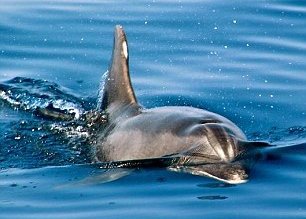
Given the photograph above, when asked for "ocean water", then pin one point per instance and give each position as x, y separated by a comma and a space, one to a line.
242, 59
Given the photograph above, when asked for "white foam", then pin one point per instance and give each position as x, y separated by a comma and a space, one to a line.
6, 97
71, 132
71, 107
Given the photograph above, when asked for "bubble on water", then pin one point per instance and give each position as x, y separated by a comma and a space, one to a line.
18, 137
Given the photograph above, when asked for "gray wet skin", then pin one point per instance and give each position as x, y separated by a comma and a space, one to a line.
198, 136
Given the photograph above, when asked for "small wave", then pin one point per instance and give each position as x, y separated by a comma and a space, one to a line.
35, 143
31, 94
281, 136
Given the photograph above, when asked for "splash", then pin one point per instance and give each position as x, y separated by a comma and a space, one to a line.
101, 90
70, 131
31, 95
6, 96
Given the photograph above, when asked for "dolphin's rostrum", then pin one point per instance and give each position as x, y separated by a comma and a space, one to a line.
203, 142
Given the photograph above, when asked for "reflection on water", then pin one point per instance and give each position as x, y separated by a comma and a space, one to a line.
243, 60
216, 185
212, 197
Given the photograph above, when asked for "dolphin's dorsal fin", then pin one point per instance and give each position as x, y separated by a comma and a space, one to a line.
118, 91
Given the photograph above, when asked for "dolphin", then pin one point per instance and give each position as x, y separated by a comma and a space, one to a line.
202, 142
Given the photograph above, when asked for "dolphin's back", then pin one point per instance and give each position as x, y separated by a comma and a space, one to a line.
170, 130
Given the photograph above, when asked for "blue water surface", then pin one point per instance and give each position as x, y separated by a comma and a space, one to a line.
245, 60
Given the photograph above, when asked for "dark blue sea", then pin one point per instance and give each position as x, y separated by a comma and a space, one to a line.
245, 60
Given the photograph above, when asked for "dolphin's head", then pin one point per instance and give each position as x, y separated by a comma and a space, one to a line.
217, 154
213, 143
232, 173
223, 142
